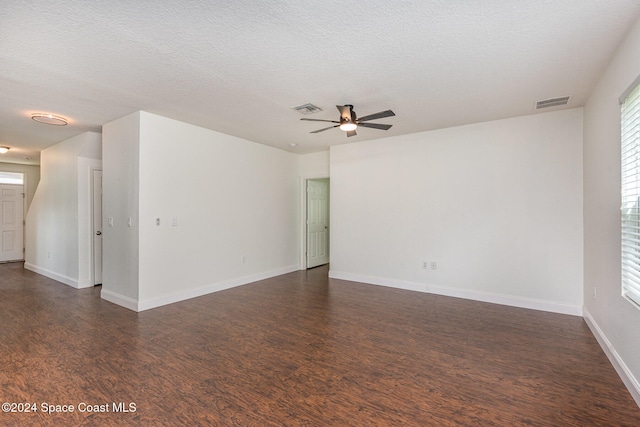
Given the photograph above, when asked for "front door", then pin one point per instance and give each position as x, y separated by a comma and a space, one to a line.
11, 222
317, 222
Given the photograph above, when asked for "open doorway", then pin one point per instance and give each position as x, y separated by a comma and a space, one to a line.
317, 222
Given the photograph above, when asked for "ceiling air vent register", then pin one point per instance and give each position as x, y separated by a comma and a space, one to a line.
307, 109
553, 102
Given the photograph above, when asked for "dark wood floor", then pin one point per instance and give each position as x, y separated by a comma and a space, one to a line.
300, 349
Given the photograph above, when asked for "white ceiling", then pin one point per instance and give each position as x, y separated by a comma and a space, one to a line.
238, 67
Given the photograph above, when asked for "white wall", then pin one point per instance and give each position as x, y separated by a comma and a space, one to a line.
120, 194
31, 174
233, 201
314, 165
52, 230
615, 322
497, 205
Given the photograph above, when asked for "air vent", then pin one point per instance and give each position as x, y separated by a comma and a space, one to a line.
552, 102
307, 109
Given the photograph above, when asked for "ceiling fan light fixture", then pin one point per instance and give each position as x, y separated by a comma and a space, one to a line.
348, 126
3, 149
49, 119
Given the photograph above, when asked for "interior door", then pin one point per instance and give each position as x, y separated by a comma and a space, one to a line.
97, 226
11, 222
317, 222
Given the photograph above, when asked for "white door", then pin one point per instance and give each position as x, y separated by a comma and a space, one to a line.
11, 222
317, 222
97, 227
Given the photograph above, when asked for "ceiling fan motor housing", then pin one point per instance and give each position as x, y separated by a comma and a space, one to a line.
348, 116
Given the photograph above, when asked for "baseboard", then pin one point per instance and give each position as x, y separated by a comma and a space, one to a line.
53, 275
150, 303
509, 300
631, 382
119, 299
85, 284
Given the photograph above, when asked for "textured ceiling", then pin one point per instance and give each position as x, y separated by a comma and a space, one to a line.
238, 67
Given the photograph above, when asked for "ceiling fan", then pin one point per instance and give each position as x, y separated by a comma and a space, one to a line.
349, 122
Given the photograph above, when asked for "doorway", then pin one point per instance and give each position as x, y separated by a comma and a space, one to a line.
317, 222
11, 221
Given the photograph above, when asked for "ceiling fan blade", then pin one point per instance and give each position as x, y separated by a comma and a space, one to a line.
381, 114
351, 133
319, 120
323, 129
374, 126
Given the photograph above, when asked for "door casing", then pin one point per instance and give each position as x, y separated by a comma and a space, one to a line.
15, 198
96, 218
303, 218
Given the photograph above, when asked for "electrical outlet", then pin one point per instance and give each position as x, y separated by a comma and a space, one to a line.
434, 265
425, 265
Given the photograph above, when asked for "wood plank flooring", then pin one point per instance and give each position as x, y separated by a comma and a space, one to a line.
299, 349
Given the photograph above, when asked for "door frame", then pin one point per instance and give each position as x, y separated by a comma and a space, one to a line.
302, 254
92, 269
25, 195
22, 192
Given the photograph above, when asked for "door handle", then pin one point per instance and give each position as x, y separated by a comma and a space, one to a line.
98, 233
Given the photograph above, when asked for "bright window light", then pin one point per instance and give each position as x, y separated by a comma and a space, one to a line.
630, 165
11, 178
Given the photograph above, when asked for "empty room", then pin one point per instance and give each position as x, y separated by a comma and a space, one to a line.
320, 213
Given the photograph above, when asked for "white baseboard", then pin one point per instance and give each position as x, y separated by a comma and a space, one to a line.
631, 382
509, 300
119, 299
150, 303
85, 284
53, 275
